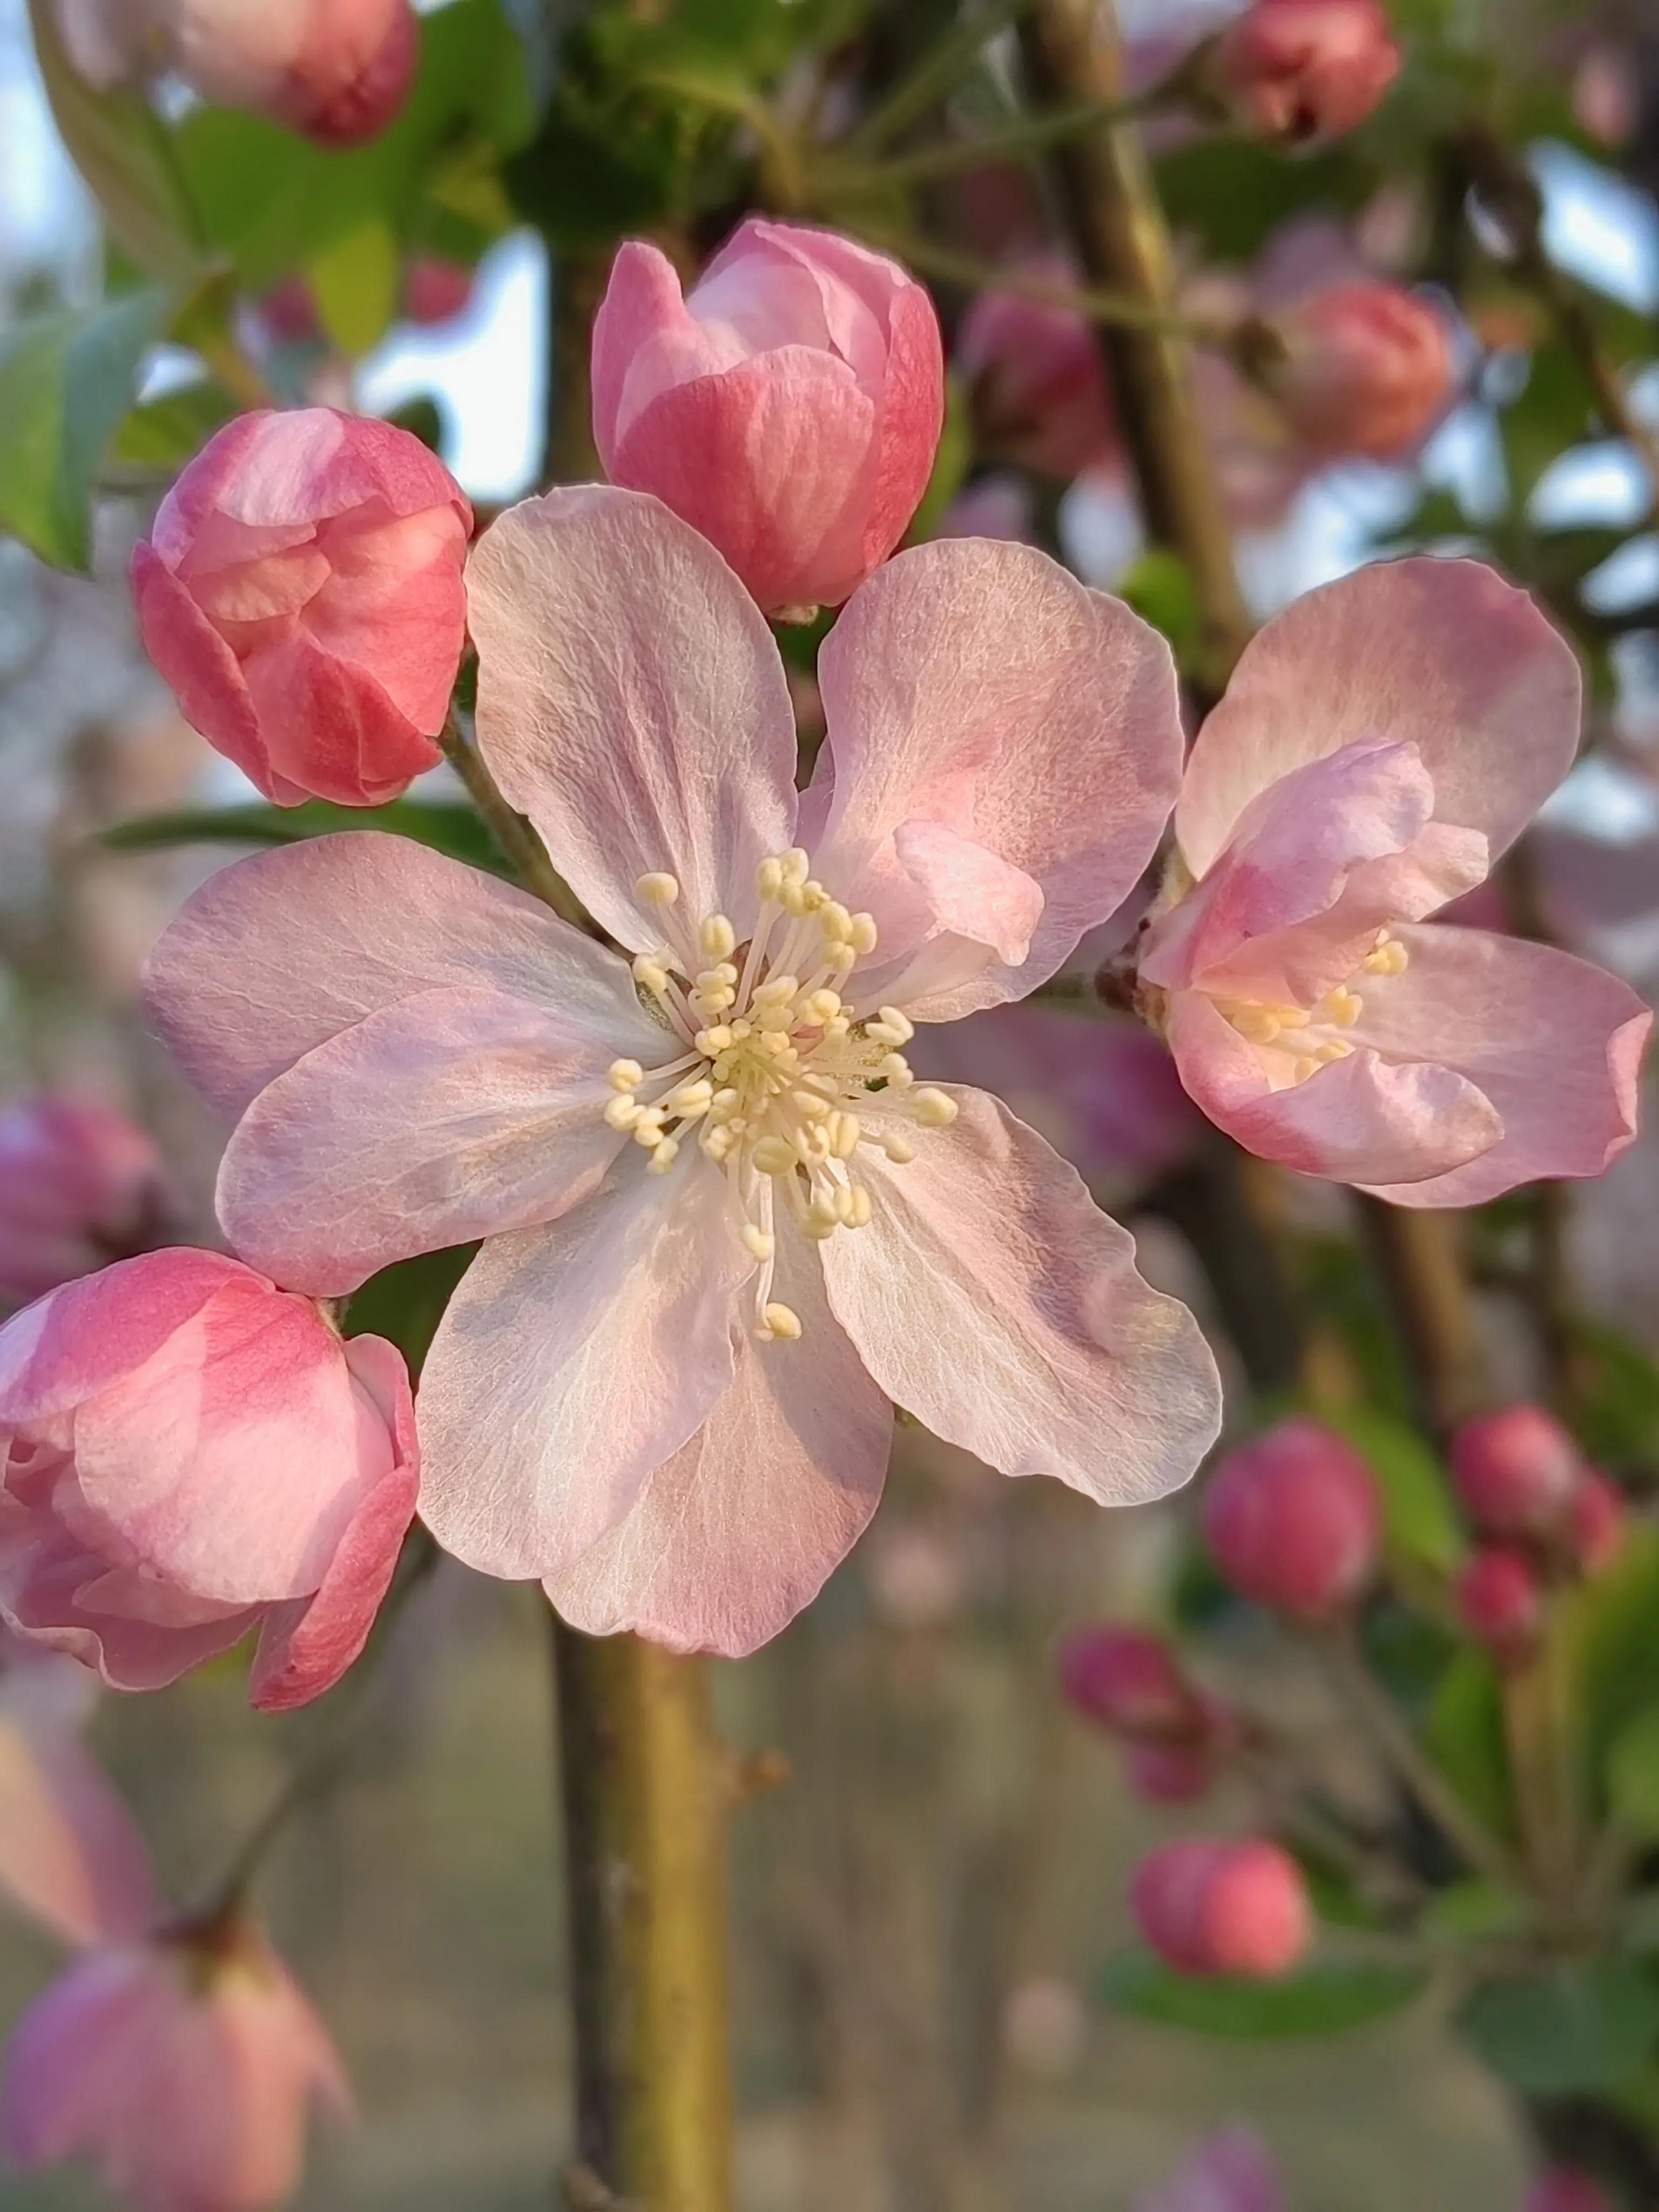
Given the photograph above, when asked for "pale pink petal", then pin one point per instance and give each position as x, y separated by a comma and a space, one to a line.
279, 952
1441, 654
307, 1644
1356, 1120
970, 890
991, 1297
731, 1538
1554, 1043
329, 728
88, 1335
641, 325
632, 703
980, 687
573, 1359
69, 1851
452, 1115
85, 2052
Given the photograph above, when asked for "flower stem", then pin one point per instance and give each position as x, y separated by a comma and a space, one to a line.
517, 839
1417, 1256
1115, 310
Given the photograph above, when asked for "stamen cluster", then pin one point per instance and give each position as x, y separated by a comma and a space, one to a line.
1308, 1035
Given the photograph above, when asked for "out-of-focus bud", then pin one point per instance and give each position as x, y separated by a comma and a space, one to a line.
1304, 70
1131, 1682
1293, 1520
337, 71
1516, 1471
1596, 1523
1170, 1773
301, 592
1039, 390
1367, 368
80, 1185
1500, 1602
788, 407
436, 290
1231, 2171
187, 1453
1223, 1908
1563, 2190
184, 2068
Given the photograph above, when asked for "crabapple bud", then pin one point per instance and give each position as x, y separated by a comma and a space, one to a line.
1516, 1471
1293, 1520
1209, 1907
1500, 1602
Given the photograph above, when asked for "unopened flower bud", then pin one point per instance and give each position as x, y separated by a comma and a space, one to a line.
1303, 70
1561, 2190
1516, 1471
1130, 1681
1500, 1603
1170, 1773
1596, 1523
1293, 1520
1223, 1908
1366, 368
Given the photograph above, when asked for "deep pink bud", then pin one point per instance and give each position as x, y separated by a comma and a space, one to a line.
1499, 1602
80, 1185
1596, 1523
1223, 1908
187, 1453
436, 290
788, 407
1170, 1773
1561, 2191
1039, 389
1293, 1520
1305, 70
1368, 368
1516, 1471
301, 592
338, 70
184, 2068
1130, 1681
288, 313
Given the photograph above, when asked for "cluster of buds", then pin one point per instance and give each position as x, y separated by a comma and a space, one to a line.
1541, 1515
1174, 1737
1293, 1520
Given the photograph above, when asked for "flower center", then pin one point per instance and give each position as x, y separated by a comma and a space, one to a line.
1303, 1039
776, 1062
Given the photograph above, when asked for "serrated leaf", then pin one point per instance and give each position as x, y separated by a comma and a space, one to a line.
1323, 1999
447, 826
1578, 2028
67, 380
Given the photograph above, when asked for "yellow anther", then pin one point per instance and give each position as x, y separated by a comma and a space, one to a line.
811, 1105
759, 1243
716, 938
724, 1104
796, 864
624, 1075
1342, 1007
623, 1112
821, 1220
844, 1133
775, 1156
775, 991
842, 958
861, 934
663, 1155
898, 1147
835, 922
934, 1109
857, 1215
658, 888
782, 1322
1305, 1067
692, 1098
1390, 958
895, 1072
715, 1042
822, 1007
769, 879
1334, 1048
718, 1143
650, 973
648, 1130
1256, 1025
893, 1028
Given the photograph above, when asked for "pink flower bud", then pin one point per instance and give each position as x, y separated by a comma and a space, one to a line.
1130, 1681
338, 70
1223, 1908
1596, 1523
1516, 1471
788, 407
183, 2068
1039, 390
1305, 70
1170, 1773
288, 314
80, 1185
1561, 2191
1368, 369
436, 290
1499, 1602
1293, 1520
301, 592
187, 1453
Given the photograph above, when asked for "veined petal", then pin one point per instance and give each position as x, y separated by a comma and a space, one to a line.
730, 1539
454, 1114
278, 953
991, 1296
574, 1358
631, 702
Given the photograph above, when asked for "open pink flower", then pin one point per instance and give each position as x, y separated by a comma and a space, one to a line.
789, 407
301, 590
183, 2066
1231, 2171
1381, 743
80, 1185
189, 1453
685, 1165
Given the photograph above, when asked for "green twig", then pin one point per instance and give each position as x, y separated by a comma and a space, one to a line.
517, 839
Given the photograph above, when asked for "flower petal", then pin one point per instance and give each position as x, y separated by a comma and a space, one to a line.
278, 953
632, 703
979, 686
994, 1299
1442, 654
733, 1536
574, 1358
70, 1850
1354, 1120
1556, 1044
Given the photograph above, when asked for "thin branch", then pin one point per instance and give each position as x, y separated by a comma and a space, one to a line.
936, 74
1030, 134
1118, 310
517, 839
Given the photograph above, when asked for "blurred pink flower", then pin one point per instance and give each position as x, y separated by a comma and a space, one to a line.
1368, 368
1563, 2190
1294, 1521
1382, 742
1231, 2171
69, 1853
1303, 70
1516, 1471
995, 506
614, 1400
190, 1454
436, 290
788, 407
1500, 1601
80, 1185
301, 590
1209, 1907
1034, 370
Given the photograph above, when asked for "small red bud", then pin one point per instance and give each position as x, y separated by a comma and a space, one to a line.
1223, 1908
1596, 1523
1516, 1471
1130, 1681
1560, 2191
1499, 1602
1170, 1773
1293, 1520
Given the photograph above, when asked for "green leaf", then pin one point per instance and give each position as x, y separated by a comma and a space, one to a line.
164, 434
405, 1303
1617, 1385
1465, 1737
125, 154
67, 380
1633, 1772
449, 826
356, 281
1419, 1517
1608, 1624
1323, 1999
1578, 2028
1159, 587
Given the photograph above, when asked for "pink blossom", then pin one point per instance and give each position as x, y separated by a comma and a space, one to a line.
617, 1400
1130, 1681
337, 71
1293, 1520
1561, 2190
69, 1854
80, 1185
1500, 1602
789, 407
1231, 2171
1368, 368
436, 290
301, 591
1039, 389
1516, 1471
1382, 742
182, 2066
1223, 1908
192, 1453
1305, 70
